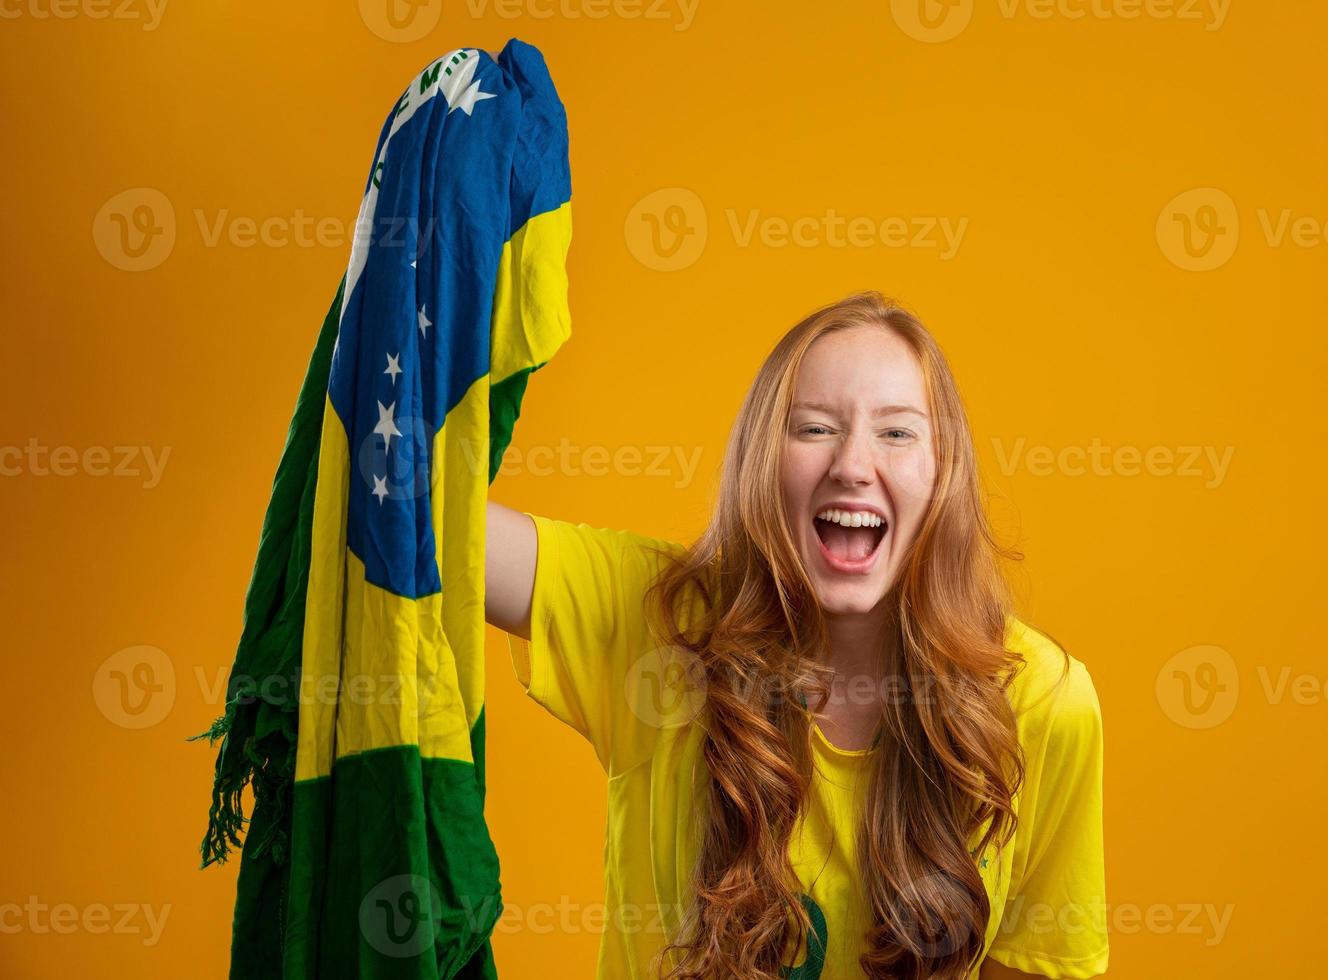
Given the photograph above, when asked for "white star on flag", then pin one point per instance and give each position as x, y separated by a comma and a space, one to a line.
393, 368
387, 426
467, 99
424, 322
380, 488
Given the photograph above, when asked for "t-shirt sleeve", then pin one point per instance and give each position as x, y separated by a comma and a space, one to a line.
591, 652
1055, 922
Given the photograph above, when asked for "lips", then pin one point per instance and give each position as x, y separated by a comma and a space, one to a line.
850, 551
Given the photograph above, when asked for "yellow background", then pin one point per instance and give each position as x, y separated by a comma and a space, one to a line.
1077, 149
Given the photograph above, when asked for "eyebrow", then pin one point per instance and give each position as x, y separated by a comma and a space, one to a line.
876, 412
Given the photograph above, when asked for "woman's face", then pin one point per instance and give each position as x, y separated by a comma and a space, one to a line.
859, 442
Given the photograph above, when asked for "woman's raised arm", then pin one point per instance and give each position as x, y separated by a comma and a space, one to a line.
510, 547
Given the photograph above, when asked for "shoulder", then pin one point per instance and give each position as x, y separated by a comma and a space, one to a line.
609, 569
1052, 692
580, 544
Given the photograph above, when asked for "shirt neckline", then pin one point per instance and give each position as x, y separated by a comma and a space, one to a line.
849, 753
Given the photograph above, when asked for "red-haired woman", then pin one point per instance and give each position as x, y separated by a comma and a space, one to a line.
832, 750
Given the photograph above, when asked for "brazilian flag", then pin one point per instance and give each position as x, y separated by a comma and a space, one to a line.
355, 707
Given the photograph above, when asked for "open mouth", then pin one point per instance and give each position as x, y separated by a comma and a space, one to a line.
849, 545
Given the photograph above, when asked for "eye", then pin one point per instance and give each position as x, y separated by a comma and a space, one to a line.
899, 434
807, 430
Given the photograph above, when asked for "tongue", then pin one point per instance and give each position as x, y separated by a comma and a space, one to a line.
852, 543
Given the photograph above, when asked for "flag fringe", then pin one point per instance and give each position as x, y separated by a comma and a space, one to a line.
261, 732
270, 774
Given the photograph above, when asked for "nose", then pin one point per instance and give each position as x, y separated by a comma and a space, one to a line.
853, 464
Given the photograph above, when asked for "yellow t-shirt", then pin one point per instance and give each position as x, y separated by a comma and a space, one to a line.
593, 663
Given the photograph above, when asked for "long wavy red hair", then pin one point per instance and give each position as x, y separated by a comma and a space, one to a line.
946, 764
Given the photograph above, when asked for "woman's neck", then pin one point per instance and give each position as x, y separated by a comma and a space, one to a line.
862, 652
861, 644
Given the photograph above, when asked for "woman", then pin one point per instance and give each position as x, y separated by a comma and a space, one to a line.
831, 749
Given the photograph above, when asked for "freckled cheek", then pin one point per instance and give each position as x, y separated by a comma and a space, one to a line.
802, 471
911, 481
797, 481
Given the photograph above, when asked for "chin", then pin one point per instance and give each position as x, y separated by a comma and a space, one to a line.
848, 599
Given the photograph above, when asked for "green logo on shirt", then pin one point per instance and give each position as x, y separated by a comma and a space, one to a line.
811, 967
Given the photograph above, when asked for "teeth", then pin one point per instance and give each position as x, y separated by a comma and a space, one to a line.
854, 518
